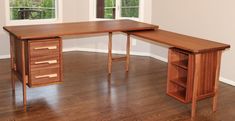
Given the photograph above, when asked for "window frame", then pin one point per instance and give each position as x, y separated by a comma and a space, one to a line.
92, 13
57, 19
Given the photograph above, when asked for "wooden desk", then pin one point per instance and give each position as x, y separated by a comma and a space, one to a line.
184, 42
78, 28
36, 57
193, 66
36, 50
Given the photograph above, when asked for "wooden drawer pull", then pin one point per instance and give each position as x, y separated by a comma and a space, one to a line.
48, 47
49, 62
46, 76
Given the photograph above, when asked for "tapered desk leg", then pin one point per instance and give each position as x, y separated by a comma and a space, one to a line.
12, 62
128, 52
110, 53
12, 80
197, 66
111, 59
215, 98
24, 77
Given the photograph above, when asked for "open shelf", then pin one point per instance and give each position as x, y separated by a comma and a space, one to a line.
183, 64
178, 74
180, 77
177, 92
180, 81
180, 95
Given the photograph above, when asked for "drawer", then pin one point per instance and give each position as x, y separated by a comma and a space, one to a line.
38, 48
45, 62
42, 62
45, 76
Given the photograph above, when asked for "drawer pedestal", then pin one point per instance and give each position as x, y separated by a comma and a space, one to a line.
44, 58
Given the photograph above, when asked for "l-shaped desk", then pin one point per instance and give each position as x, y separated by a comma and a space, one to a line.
193, 63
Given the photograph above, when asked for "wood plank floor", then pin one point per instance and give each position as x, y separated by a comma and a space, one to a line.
88, 94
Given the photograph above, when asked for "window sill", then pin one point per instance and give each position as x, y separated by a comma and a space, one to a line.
33, 22
104, 19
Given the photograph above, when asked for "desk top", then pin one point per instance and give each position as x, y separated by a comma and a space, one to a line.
188, 43
64, 29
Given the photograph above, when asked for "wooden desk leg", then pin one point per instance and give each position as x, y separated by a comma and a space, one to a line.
12, 38
128, 52
197, 66
110, 53
215, 98
24, 77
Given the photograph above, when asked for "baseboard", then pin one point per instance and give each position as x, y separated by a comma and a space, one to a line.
106, 51
117, 52
227, 81
4, 56
222, 79
159, 57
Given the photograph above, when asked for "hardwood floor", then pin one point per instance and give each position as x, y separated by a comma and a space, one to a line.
88, 94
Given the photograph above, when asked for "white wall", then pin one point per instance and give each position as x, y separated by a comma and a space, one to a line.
209, 19
4, 43
73, 10
99, 43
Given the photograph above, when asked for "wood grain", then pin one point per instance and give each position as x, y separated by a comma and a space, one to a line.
196, 87
188, 43
216, 83
23, 73
110, 57
13, 66
193, 77
77, 28
87, 94
181, 72
128, 48
40, 51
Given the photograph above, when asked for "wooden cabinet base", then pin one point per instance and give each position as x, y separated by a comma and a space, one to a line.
192, 77
37, 62
44, 58
192, 74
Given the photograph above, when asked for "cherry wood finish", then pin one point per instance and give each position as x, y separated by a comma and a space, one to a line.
217, 71
184, 42
193, 68
18, 65
128, 48
36, 50
88, 94
178, 75
181, 68
77, 28
23, 72
110, 53
29, 64
193, 77
192, 74
13, 66
112, 59
44, 60
196, 80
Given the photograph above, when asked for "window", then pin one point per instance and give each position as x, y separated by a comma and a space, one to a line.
130, 8
32, 11
114, 9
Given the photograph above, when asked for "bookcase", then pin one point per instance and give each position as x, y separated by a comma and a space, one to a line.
181, 74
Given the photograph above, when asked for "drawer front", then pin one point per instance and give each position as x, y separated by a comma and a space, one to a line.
45, 65
45, 76
40, 48
42, 62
